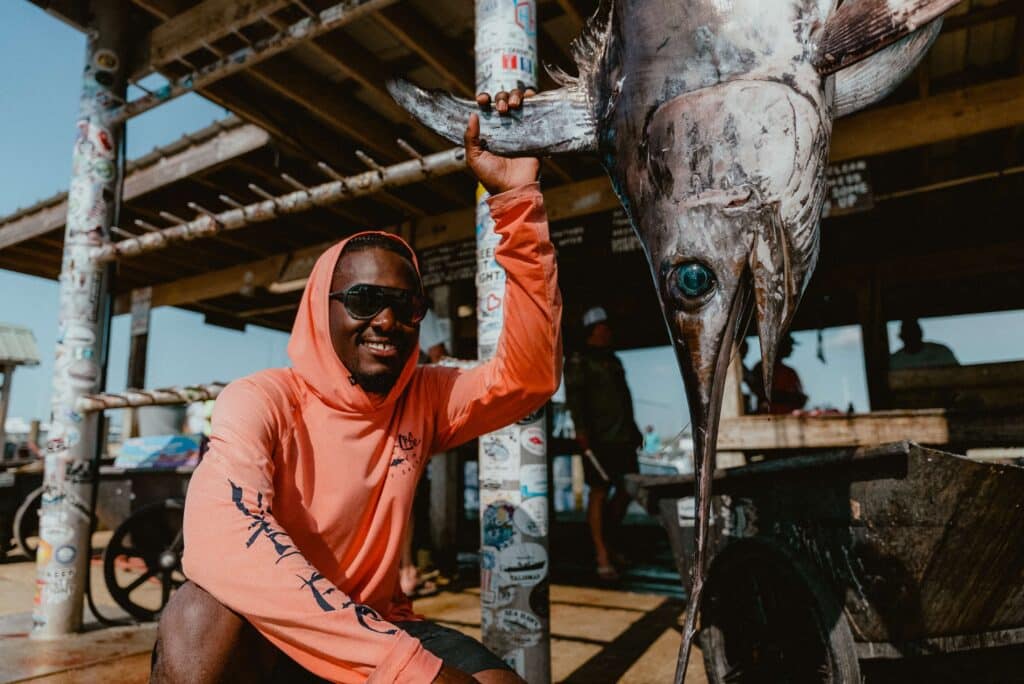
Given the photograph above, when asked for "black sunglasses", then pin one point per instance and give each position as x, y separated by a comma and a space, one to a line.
363, 302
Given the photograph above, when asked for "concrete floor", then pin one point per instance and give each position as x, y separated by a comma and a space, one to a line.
598, 635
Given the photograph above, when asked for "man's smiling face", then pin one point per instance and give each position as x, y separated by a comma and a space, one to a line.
374, 350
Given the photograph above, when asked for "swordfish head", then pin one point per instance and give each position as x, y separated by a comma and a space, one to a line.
713, 119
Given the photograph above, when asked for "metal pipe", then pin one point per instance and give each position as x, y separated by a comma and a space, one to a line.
64, 515
514, 567
359, 185
91, 403
329, 19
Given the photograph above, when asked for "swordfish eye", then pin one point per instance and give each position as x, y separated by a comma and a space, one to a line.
694, 279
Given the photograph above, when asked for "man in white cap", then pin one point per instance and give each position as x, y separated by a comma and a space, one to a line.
602, 411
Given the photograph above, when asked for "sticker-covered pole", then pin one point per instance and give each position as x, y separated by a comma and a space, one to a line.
513, 470
64, 513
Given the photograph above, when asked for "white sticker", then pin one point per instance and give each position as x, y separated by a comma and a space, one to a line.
523, 564
499, 457
532, 439
531, 517
533, 480
520, 628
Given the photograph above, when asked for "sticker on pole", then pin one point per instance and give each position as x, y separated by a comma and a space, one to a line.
531, 517
533, 480
532, 439
488, 575
497, 523
519, 627
523, 564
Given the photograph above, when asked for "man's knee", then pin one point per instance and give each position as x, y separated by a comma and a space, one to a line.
196, 638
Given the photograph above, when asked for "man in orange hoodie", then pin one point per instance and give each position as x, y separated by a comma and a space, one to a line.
294, 520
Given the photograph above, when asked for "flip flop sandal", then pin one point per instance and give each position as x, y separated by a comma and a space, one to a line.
607, 573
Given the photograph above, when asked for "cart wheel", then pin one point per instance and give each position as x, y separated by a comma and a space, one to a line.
142, 561
26, 523
765, 620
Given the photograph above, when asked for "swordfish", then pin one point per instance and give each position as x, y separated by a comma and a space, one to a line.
713, 119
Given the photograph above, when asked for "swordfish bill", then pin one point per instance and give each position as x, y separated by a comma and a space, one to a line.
713, 119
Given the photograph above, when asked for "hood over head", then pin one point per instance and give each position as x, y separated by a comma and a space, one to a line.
312, 352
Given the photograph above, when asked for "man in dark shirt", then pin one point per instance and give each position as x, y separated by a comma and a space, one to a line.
602, 412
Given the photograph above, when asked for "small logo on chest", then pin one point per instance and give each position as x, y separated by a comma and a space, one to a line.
405, 457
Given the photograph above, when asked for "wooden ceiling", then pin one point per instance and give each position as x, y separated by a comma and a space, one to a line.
947, 142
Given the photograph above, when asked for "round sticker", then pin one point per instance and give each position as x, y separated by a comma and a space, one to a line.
105, 59
531, 517
497, 523
532, 439
520, 627
523, 564
65, 554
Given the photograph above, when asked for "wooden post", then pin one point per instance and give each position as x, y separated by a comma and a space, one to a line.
5, 397
141, 300
514, 567
875, 338
445, 477
67, 488
732, 407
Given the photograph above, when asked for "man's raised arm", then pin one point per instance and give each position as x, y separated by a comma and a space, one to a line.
526, 367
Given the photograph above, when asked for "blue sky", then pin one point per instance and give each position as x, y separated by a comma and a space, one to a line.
38, 108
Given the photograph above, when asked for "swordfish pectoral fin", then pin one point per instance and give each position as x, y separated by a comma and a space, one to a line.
553, 122
868, 81
860, 28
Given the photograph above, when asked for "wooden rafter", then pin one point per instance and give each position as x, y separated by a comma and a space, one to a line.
416, 33
198, 27
946, 116
192, 160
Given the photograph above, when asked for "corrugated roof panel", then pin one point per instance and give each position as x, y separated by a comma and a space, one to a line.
18, 346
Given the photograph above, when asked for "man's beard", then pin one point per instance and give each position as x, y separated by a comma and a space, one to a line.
376, 383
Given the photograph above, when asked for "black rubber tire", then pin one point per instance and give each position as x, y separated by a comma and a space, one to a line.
766, 619
152, 535
26, 523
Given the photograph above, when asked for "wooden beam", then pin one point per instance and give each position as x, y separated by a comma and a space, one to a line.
975, 375
196, 159
419, 35
198, 27
947, 116
927, 426
213, 284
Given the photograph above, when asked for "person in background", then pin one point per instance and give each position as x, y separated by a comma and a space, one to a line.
432, 339
787, 392
916, 353
652, 440
602, 411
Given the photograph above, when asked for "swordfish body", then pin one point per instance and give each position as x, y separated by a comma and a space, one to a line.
713, 119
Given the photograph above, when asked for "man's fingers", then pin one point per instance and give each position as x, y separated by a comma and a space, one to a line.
484, 99
471, 137
515, 99
501, 102
530, 92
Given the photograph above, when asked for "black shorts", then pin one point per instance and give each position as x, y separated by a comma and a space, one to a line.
454, 648
617, 460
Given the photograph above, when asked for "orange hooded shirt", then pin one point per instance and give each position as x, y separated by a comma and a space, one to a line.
295, 517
